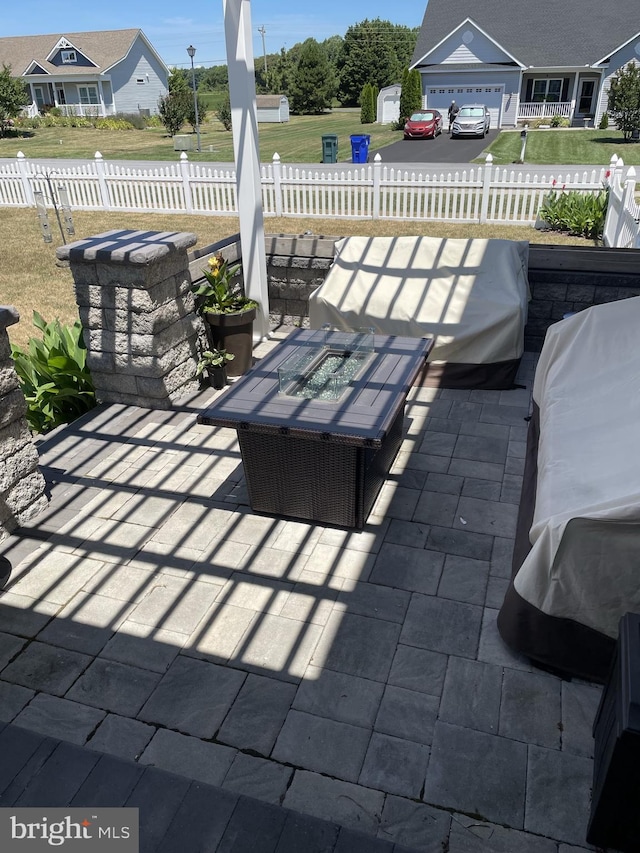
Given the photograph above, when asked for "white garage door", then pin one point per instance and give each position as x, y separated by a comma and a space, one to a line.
439, 98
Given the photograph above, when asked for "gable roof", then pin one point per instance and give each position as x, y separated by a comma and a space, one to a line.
104, 48
268, 101
540, 33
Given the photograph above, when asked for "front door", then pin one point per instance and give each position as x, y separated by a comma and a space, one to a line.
585, 99
38, 92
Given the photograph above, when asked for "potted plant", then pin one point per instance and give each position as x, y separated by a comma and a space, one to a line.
228, 312
214, 363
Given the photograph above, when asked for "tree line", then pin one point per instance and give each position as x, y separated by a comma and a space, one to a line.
314, 75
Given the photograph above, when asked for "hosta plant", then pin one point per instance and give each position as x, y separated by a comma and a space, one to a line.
54, 376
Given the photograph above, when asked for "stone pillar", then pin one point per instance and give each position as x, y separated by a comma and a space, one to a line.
133, 291
22, 485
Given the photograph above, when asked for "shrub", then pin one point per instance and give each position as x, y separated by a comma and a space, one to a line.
153, 121
54, 375
224, 114
559, 121
113, 124
580, 214
367, 105
174, 109
134, 119
604, 121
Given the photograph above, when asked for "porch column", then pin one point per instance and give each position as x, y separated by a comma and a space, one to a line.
242, 92
574, 96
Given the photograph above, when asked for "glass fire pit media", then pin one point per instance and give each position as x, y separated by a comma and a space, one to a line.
325, 368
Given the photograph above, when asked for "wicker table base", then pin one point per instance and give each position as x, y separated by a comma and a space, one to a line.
319, 481
316, 460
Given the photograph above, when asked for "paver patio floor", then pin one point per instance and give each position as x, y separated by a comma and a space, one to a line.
356, 677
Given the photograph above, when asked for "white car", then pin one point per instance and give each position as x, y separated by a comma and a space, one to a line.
472, 120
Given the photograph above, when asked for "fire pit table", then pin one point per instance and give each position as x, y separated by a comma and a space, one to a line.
319, 421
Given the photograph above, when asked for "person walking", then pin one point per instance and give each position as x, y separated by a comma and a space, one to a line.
452, 113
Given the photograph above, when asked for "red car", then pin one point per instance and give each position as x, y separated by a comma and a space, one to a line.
423, 125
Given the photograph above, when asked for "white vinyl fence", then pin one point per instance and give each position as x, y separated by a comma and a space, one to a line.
480, 194
622, 225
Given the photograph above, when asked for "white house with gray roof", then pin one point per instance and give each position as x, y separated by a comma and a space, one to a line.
97, 73
526, 59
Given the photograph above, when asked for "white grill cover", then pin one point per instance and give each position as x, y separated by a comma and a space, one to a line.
470, 294
585, 560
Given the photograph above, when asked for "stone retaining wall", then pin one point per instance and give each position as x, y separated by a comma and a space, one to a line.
133, 292
562, 278
22, 486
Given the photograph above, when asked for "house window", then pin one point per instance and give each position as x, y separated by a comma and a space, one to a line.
60, 96
88, 94
68, 56
546, 90
586, 96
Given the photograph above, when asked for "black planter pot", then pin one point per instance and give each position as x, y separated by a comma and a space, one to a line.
233, 333
217, 377
5, 571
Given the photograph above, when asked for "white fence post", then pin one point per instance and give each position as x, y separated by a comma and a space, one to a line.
27, 189
486, 187
277, 183
102, 180
186, 182
626, 204
377, 171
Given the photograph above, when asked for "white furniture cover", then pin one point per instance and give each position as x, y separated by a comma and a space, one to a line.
471, 295
585, 561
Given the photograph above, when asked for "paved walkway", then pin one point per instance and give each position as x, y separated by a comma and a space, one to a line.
353, 677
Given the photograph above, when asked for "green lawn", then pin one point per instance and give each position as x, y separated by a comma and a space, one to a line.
296, 141
300, 141
549, 147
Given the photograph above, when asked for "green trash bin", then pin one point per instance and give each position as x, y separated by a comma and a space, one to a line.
330, 148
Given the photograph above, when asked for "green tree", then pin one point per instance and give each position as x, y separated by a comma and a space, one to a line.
312, 87
179, 80
12, 97
190, 117
410, 96
224, 114
280, 73
624, 99
367, 106
374, 52
174, 109
214, 79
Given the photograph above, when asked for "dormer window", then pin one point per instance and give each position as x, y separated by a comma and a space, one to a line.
68, 56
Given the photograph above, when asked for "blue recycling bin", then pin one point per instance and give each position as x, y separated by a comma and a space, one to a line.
360, 148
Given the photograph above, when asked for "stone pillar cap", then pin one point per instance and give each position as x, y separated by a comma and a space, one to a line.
124, 246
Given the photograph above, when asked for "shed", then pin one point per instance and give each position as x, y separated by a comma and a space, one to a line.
274, 108
388, 106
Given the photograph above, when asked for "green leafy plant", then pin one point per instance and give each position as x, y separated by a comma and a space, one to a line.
217, 294
604, 122
213, 358
582, 214
559, 121
113, 124
54, 376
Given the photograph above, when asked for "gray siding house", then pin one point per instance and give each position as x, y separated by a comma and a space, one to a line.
526, 60
97, 73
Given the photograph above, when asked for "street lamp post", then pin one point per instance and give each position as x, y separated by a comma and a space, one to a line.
192, 52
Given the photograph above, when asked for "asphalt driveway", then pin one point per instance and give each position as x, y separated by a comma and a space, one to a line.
442, 149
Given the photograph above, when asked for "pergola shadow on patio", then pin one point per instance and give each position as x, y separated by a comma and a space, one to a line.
352, 677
